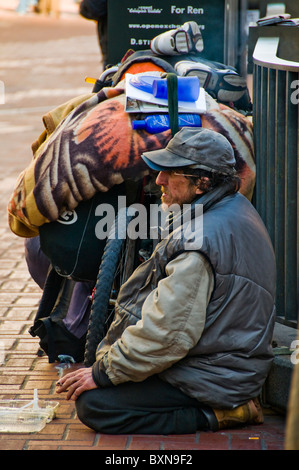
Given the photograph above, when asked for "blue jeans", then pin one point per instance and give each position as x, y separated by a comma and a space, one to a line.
23, 6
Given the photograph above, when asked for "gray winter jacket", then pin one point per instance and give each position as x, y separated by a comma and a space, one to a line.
202, 318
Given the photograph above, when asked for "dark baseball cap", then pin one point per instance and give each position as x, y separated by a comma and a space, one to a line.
196, 148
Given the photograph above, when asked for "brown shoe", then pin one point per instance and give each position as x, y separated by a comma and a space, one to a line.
250, 413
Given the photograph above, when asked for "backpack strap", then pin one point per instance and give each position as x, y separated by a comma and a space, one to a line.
43, 329
172, 95
51, 291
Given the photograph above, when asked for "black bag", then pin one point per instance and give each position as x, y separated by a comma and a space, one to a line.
55, 338
75, 254
71, 244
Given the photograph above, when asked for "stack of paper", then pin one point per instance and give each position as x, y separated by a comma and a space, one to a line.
138, 101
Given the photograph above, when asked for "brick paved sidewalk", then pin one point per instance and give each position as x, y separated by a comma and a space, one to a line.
22, 371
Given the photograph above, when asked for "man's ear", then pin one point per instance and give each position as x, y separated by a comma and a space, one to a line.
203, 185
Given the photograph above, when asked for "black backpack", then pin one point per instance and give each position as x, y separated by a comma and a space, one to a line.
55, 338
71, 244
75, 254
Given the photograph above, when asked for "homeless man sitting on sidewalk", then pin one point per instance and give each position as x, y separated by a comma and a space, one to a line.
190, 344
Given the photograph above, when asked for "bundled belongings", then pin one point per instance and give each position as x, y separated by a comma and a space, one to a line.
83, 155
90, 154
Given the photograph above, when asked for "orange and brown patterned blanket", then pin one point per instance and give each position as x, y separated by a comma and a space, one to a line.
94, 147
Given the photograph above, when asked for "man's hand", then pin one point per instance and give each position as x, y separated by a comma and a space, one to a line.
76, 383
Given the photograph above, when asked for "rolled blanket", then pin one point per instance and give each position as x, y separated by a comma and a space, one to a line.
94, 147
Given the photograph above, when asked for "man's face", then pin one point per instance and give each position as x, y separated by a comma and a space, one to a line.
176, 188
